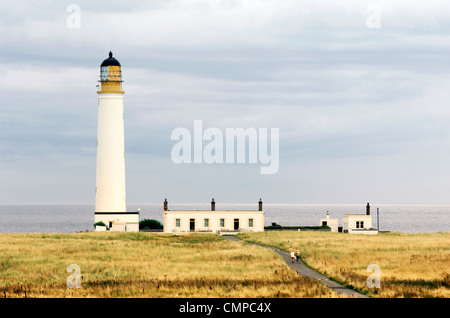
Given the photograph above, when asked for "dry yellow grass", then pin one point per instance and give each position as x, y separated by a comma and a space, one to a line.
412, 265
145, 265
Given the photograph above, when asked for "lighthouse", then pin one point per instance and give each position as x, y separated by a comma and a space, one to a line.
110, 190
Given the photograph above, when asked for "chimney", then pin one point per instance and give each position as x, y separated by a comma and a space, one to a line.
260, 205
165, 205
328, 215
368, 209
213, 205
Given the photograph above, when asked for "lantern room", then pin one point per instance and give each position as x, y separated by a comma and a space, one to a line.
110, 76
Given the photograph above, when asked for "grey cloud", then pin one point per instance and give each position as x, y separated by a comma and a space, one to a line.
344, 97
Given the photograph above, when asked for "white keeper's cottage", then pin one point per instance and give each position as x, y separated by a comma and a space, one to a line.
213, 221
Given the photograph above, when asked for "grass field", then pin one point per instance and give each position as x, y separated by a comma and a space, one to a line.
412, 265
116, 264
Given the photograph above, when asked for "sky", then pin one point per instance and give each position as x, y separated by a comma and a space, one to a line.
359, 91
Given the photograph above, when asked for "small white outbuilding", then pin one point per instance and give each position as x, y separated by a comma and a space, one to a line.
358, 223
332, 223
119, 221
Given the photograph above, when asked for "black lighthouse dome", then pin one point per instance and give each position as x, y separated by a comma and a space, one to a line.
110, 61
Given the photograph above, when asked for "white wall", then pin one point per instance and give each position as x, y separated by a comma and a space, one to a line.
100, 228
332, 223
214, 221
349, 222
110, 195
130, 219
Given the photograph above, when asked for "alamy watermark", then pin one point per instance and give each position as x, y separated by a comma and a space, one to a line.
74, 19
74, 280
231, 147
374, 280
373, 20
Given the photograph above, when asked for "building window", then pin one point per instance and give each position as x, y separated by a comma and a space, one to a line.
357, 224
250, 222
206, 222
177, 222
361, 224
222, 222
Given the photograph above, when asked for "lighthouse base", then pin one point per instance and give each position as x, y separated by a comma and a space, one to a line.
119, 221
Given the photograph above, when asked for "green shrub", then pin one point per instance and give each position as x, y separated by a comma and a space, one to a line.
100, 224
150, 224
274, 227
302, 228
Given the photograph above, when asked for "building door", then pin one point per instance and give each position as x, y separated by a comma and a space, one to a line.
324, 223
192, 225
236, 224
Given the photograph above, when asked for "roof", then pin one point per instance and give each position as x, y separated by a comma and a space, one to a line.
358, 215
110, 61
214, 212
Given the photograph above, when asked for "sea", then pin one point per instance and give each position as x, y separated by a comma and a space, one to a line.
406, 218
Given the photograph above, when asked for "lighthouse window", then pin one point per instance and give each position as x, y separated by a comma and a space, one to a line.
104, 73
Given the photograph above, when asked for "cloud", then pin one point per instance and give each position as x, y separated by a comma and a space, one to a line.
346, 98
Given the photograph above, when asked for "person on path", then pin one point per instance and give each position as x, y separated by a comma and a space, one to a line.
292, 256
298, 256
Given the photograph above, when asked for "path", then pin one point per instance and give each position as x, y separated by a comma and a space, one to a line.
304, 270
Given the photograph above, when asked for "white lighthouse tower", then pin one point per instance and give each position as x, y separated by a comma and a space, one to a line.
110, 192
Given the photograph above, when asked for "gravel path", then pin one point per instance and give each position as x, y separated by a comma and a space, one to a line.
304, 270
